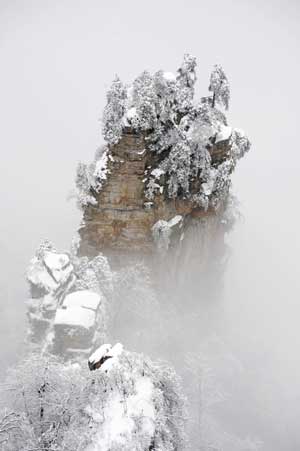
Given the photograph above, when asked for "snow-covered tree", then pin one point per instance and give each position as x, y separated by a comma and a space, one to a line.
84, 185
186, 80
134, 404
10, 424
144, 102
93, 274
220, 87
181, 133
239, 143
45, 246
114, 111
177, 166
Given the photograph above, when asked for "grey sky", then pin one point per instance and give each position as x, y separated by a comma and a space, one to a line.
57, 60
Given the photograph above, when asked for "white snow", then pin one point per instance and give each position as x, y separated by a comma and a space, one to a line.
84, 298
100, 352
162, 231
101, 167
157, 173
121, 418
131, 113
56, 261
75, 316
223, 134
50, 270
63, 274
175, 220
109, 351
240, 131
141, 152
207, 187
169, 76
38, 275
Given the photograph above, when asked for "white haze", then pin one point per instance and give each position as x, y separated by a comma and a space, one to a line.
57, 60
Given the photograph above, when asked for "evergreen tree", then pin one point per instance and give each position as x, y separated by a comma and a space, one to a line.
114, 112
220, 87
144, 101
186, 80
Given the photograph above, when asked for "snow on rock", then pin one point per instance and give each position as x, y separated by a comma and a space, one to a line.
162, 231
169, 76
75, 317
175, 220
131, 113
105, 357
224, 134
157, 173
38, 275
84, 298
100, 352
59, 265
101, 170
208, 186
56, 261
49, 270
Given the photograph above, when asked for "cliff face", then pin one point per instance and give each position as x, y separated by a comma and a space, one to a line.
123, 218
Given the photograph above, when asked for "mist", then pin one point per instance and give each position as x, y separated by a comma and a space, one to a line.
57, 61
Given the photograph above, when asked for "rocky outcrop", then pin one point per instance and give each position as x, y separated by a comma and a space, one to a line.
123, 217
66, 316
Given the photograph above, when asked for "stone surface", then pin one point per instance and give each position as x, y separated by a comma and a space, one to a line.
123, 218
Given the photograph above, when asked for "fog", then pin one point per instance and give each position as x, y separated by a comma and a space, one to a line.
57, 61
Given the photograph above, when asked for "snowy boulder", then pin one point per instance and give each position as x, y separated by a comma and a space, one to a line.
223, 134
47, 272
104, 353
74, 327
84, 298
39, 277
75, 317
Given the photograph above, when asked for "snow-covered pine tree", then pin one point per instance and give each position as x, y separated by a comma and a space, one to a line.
186, 79
144, 101
84, 185
177, 165
181, 134
114, 111
219, 86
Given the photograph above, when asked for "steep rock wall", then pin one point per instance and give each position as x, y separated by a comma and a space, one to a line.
123, 218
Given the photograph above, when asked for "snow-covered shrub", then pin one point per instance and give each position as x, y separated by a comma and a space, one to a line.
144, 409
45, 246
114, 111
239, 143
220, 87
84, 184
90, 178
48, 398
135, 405
93, 274
10, 429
